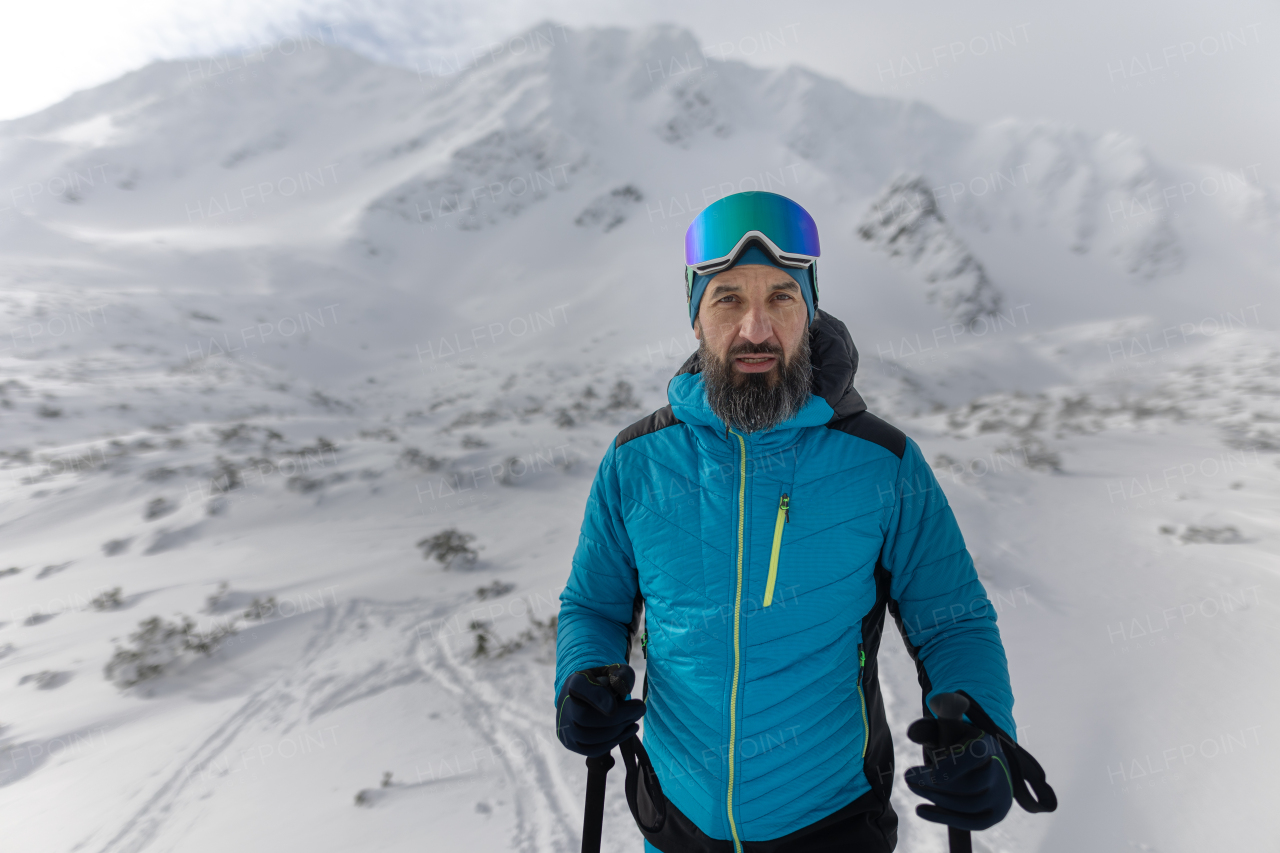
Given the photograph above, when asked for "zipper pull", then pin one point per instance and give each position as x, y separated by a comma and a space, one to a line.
644, 645
785, 506
862, 657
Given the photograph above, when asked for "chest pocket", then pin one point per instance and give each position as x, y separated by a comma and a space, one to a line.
822, 543
784, 516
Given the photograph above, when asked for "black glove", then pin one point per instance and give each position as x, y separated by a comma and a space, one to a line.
592, 715
968, 782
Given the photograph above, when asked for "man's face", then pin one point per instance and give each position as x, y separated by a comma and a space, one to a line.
753, 327
753, 313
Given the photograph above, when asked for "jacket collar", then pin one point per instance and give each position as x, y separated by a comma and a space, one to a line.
835, 361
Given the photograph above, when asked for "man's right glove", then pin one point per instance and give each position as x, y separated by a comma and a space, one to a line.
592, 714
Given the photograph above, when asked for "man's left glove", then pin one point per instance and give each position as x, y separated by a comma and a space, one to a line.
592, 714
969, 783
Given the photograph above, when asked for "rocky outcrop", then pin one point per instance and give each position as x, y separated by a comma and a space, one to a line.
904, 221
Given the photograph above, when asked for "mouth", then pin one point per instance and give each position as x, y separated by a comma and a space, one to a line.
755, 363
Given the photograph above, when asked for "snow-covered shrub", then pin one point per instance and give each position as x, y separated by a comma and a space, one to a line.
412, 456
1227, 535
225, 476
622, 396
1035, 453
488, 644
46, 679
611, 209
157, 645
213, 603
116, 546
494, 590
1193, 534
484, 637
108, 600
303, 485
158, 508
371, 796
47, 571
509, 477
450, 547
544, 631
261, 608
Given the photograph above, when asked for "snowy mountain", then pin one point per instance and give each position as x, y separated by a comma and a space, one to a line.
274, 325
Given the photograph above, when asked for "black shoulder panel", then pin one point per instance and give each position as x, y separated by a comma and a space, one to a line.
660, 419
867, 426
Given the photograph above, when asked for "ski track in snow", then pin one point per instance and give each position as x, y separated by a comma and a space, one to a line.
545, 815
316, 686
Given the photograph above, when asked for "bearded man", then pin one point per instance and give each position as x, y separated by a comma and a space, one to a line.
759, 527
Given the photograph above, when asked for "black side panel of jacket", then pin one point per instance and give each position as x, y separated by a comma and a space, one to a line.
878, 763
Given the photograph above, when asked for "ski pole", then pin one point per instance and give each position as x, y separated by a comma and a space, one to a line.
593, 819
620, 682
949, 707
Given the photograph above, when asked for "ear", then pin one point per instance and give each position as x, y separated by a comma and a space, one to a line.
697, 328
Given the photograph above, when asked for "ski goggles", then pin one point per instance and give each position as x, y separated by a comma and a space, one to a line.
723, 230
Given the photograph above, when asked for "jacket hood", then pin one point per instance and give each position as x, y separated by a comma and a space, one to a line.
834, 359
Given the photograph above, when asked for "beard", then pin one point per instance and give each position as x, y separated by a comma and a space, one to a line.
752, 402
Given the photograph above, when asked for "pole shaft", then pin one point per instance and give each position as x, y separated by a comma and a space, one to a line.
593, 815
960, 840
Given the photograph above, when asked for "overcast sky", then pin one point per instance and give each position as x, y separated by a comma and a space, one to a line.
1196, 81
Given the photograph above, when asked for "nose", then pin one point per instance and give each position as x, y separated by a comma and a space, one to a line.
756, 327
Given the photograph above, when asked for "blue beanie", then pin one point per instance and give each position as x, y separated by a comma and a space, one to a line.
756, 255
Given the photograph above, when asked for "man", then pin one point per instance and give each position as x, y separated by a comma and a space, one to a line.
763, 522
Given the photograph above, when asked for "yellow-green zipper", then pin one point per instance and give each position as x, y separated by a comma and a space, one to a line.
784, 515
862, 697
737, 610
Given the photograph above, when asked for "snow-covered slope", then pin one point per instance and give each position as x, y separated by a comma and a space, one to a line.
276, 323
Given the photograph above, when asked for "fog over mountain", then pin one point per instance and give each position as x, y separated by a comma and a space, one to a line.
270, 323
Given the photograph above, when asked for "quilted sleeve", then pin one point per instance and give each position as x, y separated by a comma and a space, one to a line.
942, 608
597, 602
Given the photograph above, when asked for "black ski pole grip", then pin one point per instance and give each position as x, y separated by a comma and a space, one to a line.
623, 678
949, 708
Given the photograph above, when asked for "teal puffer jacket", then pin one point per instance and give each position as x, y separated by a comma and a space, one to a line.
763, 565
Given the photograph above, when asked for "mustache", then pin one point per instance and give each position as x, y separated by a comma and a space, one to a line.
749, 348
